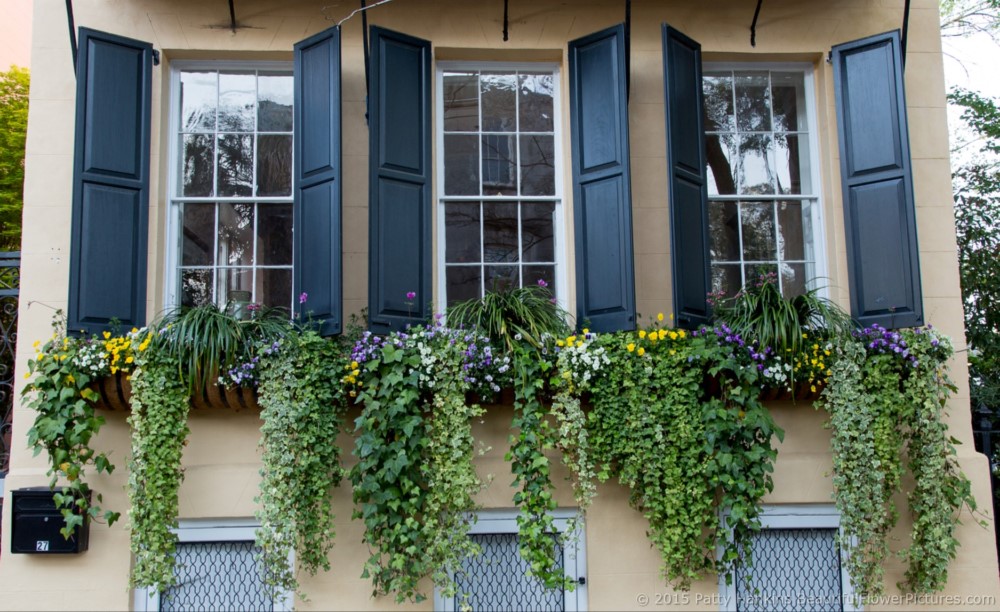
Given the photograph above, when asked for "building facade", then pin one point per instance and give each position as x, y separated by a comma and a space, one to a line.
482, 147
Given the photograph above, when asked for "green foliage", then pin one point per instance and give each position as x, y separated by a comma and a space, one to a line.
761, 313
887, 392
529, 312
532, 470
160, 404
302, 408
14, 84
65, 424
414, 480
205, 341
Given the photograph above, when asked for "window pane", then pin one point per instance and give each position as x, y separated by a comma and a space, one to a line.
753, 104
230, 282
274, 165
198, 242
274, 287
756, 165
793, 569
461, 165
198, 155
217, 576
532, 274
788, 92
758, 231
274, 234
462, 232
793, 279
499, 232
236, 234
720, 151
724, 231
535, 102
791, 154
497, 579
196, 287
792, 231
235, 165
461, 102
498, 92
237, 102
499, 175
198, 98
463, 283
537, 231
538, 174
717, 89
501, 278
726, 279
274, 95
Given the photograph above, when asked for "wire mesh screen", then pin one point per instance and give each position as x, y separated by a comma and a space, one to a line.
793, 569
216, 576
496, 580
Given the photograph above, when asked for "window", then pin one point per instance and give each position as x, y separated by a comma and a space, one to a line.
796, 564
231, 195
217, 569
499, 184
495, 580
764, 215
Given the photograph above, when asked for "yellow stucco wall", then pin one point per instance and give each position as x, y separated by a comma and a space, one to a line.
221, 460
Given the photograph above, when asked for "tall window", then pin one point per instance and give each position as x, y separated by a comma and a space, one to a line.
499, 180
763, 203
232, 193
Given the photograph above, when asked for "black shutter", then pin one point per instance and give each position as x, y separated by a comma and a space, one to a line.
317, 205
399, 198
687, 180
602, 198
877, 183
110, 183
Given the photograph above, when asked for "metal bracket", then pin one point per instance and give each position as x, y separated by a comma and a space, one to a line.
156, 57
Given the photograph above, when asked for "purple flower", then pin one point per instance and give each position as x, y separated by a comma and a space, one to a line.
303, 297
253, 307
542, 283
410, 295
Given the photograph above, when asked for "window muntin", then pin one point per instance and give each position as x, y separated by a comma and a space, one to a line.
763, 201
499, 183
231, 204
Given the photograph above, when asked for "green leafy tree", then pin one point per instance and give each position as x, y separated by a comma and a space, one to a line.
13, 129
977, 220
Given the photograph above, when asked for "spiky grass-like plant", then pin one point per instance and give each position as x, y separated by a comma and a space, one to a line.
528, 312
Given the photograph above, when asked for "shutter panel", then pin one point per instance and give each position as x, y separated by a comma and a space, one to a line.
879, 210
687, 177
400, 181
317, 204
602, 198
110, 183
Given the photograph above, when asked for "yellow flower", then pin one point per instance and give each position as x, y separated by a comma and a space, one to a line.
641, 351
107, 335
354, 365
571, 340
631, 346
27, 375
69, 379
354, 393
579, 343
560, 343
642, 333
673, 352
652, 337
812, 388
673, 335
682, 334
129, 359
659, 316
36, 343
586, 331
662, 334
355, 372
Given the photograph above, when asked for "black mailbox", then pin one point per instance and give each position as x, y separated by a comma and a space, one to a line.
35, 525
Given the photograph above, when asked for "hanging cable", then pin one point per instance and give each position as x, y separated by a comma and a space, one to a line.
628, 49
72, 31
906, 27
753, 25
232, 16
505, 20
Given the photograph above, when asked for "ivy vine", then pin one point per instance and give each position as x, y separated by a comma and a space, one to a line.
160, 405
302, 409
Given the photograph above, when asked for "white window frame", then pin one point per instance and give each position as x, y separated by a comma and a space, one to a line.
574, 551
559, 225
213, 530
815, 176
797, 516
172, 216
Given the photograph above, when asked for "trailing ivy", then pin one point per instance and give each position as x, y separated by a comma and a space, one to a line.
160, 405
414, 481
887, 392
302, 409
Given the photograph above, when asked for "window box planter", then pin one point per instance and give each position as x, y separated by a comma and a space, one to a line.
116, 391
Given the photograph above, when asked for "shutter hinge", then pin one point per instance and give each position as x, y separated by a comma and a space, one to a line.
156, 57
582, 580
829, 56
